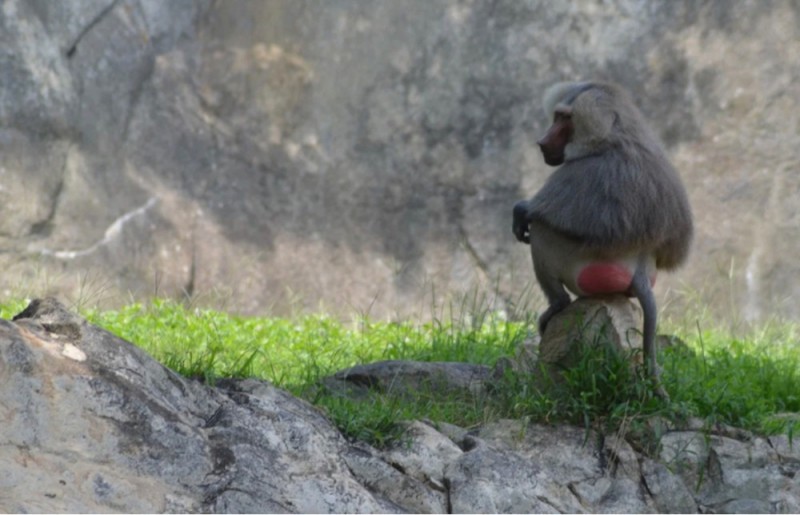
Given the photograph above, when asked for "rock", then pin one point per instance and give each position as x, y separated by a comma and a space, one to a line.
615, 319
405, 491
485, 480
587, 323
788, 450
226, 149
669, 493
601, 475
731, 476
609, 320
424, 453
92, 423
403, 377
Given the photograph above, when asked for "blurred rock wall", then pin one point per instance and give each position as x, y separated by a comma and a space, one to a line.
357, 156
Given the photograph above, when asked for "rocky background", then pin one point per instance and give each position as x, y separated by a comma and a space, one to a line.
358, 156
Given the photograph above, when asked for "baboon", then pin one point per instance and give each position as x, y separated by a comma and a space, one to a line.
612, 214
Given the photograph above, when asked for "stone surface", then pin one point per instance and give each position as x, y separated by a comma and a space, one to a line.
399, 377
734, 476
91, 423
670, 494
361, 156
613, 321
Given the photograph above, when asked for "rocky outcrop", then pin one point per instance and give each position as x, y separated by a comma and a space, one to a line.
91, 423
361, 155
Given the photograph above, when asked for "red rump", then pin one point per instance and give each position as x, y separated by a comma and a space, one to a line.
602, 278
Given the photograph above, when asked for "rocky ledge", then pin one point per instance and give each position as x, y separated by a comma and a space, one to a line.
92, 423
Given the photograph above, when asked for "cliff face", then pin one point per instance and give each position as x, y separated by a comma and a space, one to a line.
359, 156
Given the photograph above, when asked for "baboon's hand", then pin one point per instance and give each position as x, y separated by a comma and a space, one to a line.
520, 226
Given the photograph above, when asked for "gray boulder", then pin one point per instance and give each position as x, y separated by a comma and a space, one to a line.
92, 423
400, 378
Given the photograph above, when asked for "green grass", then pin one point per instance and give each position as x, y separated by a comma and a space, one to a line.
741, 381
750, 380
295, 352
